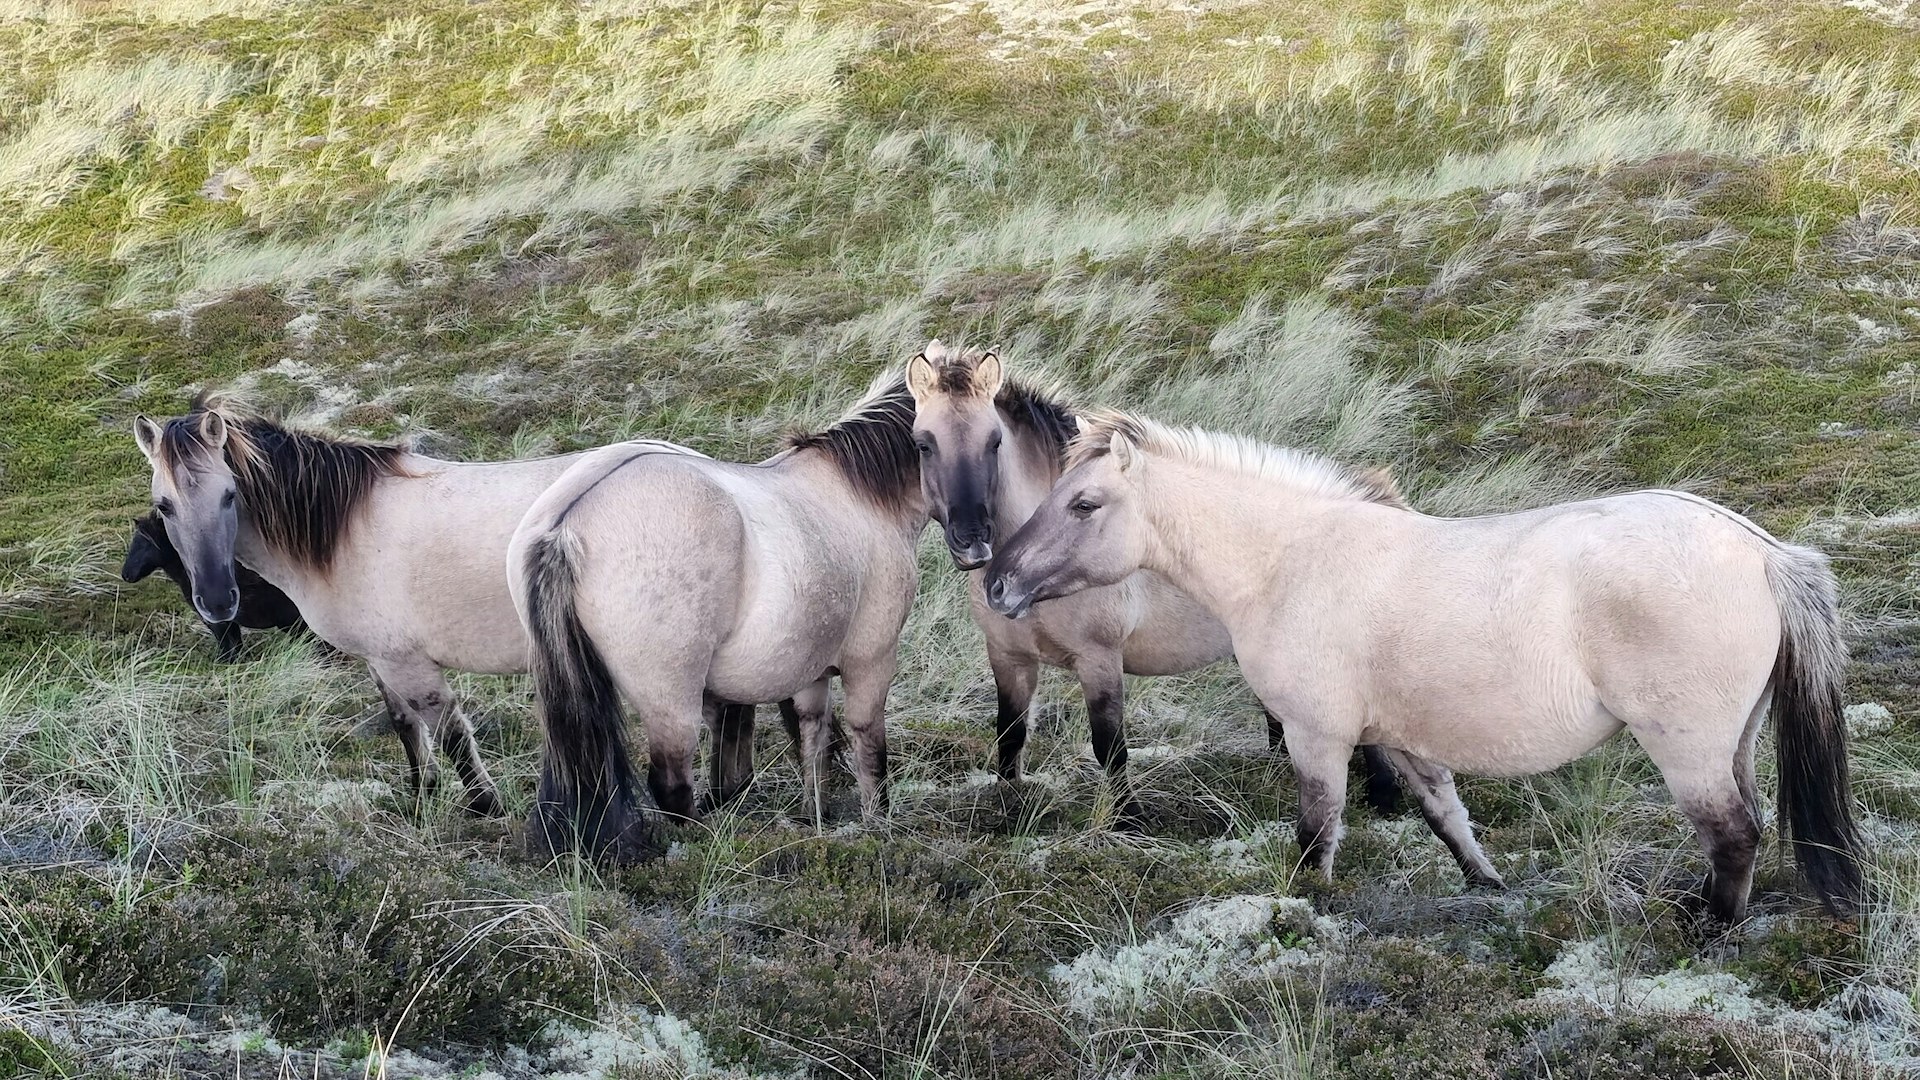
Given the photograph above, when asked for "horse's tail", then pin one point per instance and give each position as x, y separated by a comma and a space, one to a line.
1816, 794
586, 775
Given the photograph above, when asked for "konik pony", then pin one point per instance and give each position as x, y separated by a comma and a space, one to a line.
990, 449
262, 607
676, 585
389, 555
1505, 645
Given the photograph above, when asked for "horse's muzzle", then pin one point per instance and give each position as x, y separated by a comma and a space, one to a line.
225, 610
1013, 604
973, 556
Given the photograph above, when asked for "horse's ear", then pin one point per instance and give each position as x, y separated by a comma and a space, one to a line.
921, 378
1122, 451
213, 429
147, 434
987, 376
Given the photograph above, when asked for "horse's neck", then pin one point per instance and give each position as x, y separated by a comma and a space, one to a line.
816, 478
292, 575
1026, 476
280, 570
1227, 540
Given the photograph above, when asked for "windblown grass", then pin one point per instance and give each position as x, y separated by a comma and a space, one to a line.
1517, 253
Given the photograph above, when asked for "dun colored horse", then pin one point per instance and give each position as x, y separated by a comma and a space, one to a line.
389, 555
262, 607
1506, 645
990, 449
676, 585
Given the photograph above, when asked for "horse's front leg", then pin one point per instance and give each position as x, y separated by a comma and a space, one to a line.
1320, 766
1102, 683
1014, 678
422, 688
866, 688
412, 729
1446, 815
226, 641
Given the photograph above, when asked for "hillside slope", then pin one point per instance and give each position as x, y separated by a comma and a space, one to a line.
1517, 252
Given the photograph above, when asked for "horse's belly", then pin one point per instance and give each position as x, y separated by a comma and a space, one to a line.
767, 663
1507, 742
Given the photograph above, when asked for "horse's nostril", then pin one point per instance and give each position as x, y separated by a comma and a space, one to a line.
996, 589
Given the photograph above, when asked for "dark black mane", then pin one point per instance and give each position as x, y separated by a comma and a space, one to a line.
1031, 408
300, 489
874, 448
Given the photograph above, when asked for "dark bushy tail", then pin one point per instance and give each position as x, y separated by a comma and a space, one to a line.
1816, 793
586, 775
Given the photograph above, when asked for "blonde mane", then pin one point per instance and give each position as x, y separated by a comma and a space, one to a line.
1232, 453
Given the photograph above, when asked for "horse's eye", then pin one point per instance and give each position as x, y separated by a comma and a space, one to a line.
165, 506
226, 500
1083, 508
926, 449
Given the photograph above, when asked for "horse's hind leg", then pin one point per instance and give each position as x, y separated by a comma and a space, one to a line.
1710, 795
1014, 678
1731, 834
1446, 815
1703, 769
672, 738
730, 768
1743, 777
809, 719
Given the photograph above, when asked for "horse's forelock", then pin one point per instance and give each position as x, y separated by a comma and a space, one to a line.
1097, 429
954, 370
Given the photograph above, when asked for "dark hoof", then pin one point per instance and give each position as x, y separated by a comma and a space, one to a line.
1483, 883
635, 844
482, 803
675, 801
549, 834
1130, 818
709, 803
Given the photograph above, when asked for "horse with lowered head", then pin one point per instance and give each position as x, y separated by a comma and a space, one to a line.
990, 449
389, 555
1506, 644
261, 606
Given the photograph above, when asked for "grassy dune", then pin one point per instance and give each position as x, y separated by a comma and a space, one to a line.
1515, 251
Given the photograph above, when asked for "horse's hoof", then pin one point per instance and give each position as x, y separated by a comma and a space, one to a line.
709, 803
1130, 818
482, 803
1483, 883
540, 844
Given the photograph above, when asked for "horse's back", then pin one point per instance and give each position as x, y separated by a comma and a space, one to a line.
1512, 643
715, 571
424, 571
